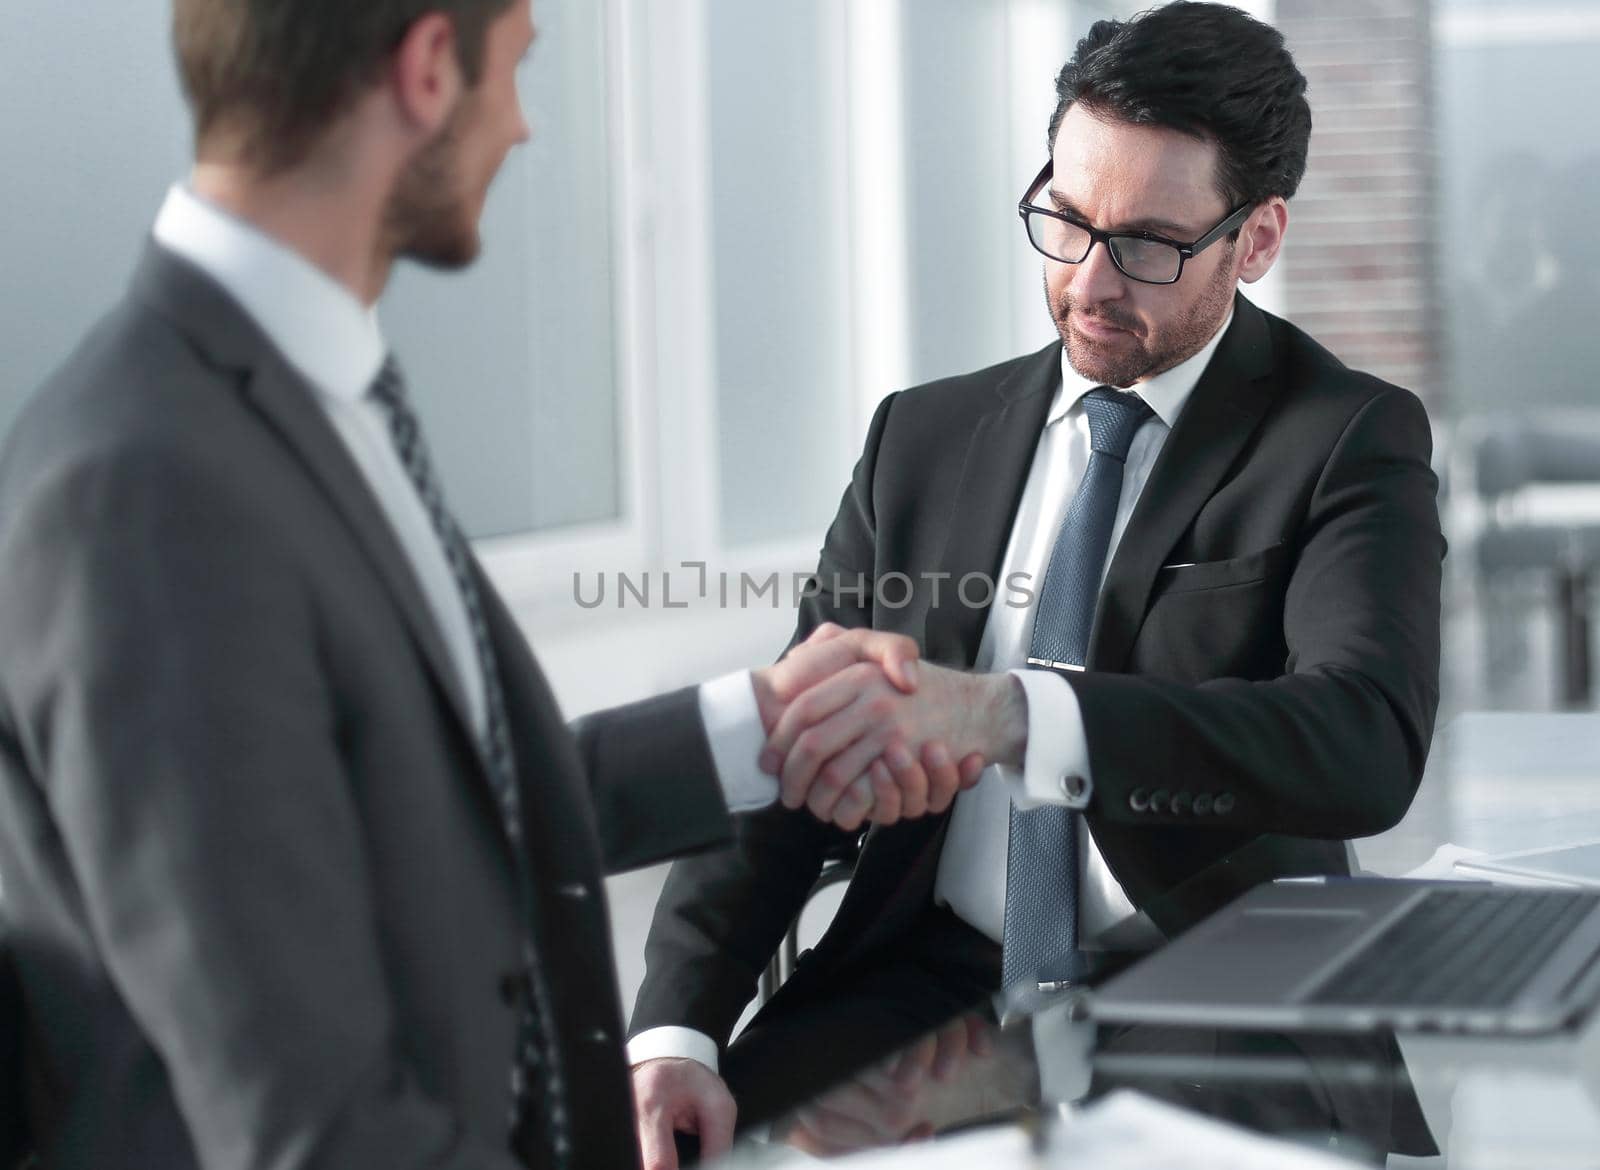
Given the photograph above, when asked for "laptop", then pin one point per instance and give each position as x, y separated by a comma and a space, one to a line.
1358, 954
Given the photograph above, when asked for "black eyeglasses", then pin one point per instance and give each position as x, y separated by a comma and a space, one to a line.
1142, 256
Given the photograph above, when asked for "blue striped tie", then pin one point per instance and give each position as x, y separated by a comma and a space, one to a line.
538, 1089
1041, 919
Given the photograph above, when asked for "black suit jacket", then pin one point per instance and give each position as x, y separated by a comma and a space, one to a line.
261, 904
1245, 714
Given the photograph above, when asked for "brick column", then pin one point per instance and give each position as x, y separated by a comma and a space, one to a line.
1359, 263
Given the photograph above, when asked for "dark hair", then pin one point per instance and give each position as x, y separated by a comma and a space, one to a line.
1206, 70
275, 73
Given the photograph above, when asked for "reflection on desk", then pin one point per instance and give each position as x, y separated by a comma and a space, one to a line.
1493, 1104
1348, 1095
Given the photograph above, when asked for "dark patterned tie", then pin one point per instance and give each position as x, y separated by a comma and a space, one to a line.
1041, 918
538, 1089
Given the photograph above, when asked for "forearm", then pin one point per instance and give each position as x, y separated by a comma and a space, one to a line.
1323, 754
652, 780
721, 917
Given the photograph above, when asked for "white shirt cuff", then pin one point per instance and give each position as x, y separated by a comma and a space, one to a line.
733, 727
680, 1043
1056, 764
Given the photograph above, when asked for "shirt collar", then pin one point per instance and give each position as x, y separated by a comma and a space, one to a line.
328, 335
1166, 393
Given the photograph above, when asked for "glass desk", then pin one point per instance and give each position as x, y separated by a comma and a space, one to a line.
1043, 1089
1050, 1089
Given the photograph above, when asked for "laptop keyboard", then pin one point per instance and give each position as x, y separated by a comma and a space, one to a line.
1473, 948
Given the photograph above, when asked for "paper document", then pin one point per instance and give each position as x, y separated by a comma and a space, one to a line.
1003, 1147
1130, 1131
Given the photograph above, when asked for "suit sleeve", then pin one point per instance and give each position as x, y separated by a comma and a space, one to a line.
1335, 747
652, 780
164, 679
722, 915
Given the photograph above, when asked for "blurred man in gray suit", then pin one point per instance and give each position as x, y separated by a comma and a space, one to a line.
302, 865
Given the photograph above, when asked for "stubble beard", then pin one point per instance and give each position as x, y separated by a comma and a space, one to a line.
1125, 364
428, 218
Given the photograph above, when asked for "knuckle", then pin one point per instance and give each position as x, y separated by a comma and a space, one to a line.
804, 750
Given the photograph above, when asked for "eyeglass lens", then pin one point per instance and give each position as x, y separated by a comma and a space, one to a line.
1141, 259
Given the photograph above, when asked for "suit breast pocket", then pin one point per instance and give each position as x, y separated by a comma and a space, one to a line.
1233, 572
1216, 619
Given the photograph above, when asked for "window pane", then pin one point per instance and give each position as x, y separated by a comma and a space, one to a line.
85, 175
513, 363
1520, 157
779, 271
961, 186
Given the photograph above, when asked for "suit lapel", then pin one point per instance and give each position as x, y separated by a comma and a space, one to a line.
999, 458
206, 314
1227, 404
286, 403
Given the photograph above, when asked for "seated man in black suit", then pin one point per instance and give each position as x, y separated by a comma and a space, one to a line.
1182, 571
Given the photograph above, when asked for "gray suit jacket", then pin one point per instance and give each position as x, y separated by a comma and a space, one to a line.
263, 910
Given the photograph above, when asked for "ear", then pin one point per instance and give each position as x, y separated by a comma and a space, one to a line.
425, 74
1261, 238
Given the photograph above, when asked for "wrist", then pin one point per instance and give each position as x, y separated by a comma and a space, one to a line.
1003, 719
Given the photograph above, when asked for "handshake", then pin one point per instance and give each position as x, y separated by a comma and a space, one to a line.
858, 730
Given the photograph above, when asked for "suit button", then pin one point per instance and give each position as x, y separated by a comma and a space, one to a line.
511, 988
1159, 799
1202, 804
1181, 803
577, 891
1138, 800
1072, 787
1224, 804
599, 1036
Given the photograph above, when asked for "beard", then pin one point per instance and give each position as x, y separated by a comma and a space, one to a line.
1125, 360
429, 217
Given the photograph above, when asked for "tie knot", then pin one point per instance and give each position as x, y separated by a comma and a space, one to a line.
389, 387
1115, 416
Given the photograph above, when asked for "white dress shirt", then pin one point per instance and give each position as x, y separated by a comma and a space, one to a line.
972, 869
334, 342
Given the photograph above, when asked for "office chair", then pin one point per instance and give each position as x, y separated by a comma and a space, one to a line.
14, 1142
1509, 454
839, 865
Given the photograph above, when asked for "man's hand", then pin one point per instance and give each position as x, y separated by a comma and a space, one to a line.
943, 1054
892, 1103
828, 650
830, 735
673, 1095
895, 782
